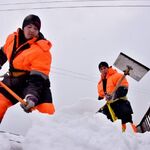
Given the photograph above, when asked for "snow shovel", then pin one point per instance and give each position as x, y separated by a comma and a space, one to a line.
137, 70
130, 67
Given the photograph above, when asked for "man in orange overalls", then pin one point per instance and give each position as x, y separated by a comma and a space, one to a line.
29, 57
121, 106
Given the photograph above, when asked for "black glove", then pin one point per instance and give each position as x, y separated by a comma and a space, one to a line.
31, 101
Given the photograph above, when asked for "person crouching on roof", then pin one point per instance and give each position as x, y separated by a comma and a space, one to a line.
29, 57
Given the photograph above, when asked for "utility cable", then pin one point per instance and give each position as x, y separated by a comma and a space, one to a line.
65, 1
77, 6
73, 75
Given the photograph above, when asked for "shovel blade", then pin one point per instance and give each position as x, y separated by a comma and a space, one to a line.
138, 70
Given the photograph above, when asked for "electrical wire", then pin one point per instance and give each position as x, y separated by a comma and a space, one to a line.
72, 74
65, 1
72, 6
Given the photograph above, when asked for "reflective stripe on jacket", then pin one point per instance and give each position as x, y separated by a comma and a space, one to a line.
112, 79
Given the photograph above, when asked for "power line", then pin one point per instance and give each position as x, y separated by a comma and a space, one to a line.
76, 7
67, 1
72, 74
73, 6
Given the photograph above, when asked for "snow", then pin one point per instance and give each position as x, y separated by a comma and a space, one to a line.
76, 127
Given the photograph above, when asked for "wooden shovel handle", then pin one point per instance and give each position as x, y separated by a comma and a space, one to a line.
126, 72
118, 84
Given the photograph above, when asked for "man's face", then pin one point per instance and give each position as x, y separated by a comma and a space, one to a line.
30, 31
104, 70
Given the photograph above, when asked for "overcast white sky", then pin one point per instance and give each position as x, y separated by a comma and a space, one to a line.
82, 37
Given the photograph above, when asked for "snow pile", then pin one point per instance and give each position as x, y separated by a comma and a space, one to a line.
78, 127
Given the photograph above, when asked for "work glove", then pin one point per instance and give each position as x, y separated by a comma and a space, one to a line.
108, 97
31, 101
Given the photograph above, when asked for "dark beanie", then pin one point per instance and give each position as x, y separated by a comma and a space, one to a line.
103, 64
32, 19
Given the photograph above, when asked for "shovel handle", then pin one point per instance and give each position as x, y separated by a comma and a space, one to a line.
118, 84
126, 72
12, 93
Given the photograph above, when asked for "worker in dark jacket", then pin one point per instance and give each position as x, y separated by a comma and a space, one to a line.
118, 101
29, 57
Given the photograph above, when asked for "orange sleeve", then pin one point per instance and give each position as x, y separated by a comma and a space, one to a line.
100, 89
42, 58
8, 46
42, 62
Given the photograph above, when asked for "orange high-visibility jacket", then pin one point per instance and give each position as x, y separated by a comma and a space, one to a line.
113, 78
36, 57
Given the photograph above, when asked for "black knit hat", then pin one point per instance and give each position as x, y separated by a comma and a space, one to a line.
103, 64
32, 19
